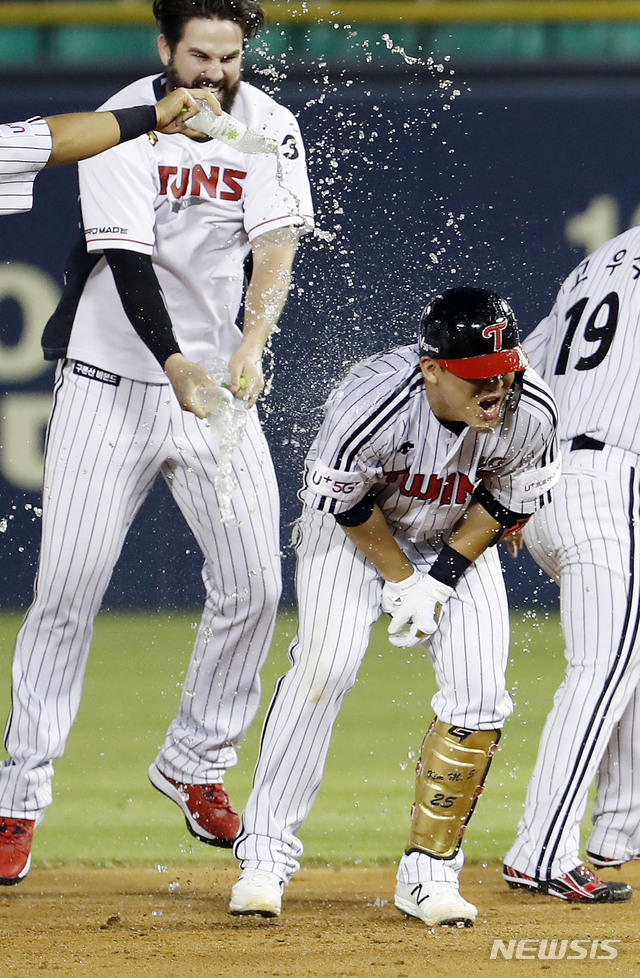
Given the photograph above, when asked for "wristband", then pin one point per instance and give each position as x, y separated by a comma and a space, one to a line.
449, 566
135, 121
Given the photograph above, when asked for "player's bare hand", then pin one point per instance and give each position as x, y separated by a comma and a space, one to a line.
247, 378
175, 109
186, 377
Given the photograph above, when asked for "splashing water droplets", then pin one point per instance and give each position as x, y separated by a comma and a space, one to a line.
227, 420
228, 427
397, 49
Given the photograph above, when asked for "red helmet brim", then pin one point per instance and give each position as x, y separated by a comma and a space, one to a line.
489, 365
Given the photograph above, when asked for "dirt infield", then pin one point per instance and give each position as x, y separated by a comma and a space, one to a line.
336, 922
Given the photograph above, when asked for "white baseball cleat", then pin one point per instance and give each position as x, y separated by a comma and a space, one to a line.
257, 892
435, 903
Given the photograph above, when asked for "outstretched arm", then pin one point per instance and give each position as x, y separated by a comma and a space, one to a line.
79, 135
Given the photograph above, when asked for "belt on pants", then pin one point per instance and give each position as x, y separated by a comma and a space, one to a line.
587, 442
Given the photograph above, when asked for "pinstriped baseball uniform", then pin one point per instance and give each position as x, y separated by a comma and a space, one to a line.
25, 148
588, 351
116, 425
380, 435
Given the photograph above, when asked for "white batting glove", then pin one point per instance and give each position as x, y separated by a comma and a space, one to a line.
415, 605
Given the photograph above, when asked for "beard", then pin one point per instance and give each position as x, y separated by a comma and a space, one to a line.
228, 90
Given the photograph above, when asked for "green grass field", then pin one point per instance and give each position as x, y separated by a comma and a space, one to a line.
105, 811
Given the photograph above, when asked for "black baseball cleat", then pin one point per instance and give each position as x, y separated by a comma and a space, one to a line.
579, 885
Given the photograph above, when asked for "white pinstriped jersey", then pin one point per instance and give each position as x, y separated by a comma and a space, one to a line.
588, 347
380, 434
588, 351
194, 206
25, 148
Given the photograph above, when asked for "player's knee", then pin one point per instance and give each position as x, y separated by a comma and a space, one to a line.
272, 590
258, 593
323, 680
263, 595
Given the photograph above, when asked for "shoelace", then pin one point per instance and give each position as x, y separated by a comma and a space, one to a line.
5, 834
216, 795
586, 874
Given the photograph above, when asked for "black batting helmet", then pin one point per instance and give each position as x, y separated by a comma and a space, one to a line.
472, 333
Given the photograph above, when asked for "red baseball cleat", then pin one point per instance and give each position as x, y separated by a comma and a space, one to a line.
580, 884
16, 836
209, 814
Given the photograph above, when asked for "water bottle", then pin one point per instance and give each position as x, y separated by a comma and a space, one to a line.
219, 400
231, 131
216, 400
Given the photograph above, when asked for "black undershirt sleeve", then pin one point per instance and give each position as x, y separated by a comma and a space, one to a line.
359, 513
505, 517
142, 300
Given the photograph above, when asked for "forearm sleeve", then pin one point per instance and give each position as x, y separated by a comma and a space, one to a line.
135, 121
142, 300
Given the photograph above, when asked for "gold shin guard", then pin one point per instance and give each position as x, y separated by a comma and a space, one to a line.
450, 777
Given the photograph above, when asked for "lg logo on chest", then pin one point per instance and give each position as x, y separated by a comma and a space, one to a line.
219, 183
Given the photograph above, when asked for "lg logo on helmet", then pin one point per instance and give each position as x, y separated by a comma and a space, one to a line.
495, 330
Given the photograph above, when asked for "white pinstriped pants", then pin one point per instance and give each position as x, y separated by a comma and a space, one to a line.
105, 447
339, 594
589, 541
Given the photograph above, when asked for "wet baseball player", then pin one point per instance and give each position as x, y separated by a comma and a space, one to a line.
426, 455
156, 289
27, 147
588, 541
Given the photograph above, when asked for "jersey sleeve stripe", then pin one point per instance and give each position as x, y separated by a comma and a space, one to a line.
285, 220
541, 397
373, 422
120, 242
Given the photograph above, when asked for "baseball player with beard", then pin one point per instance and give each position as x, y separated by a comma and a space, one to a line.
168, 223
588, 541
27, 147
426, 455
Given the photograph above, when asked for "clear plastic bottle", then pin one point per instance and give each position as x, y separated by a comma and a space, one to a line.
218, 399
231, 131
